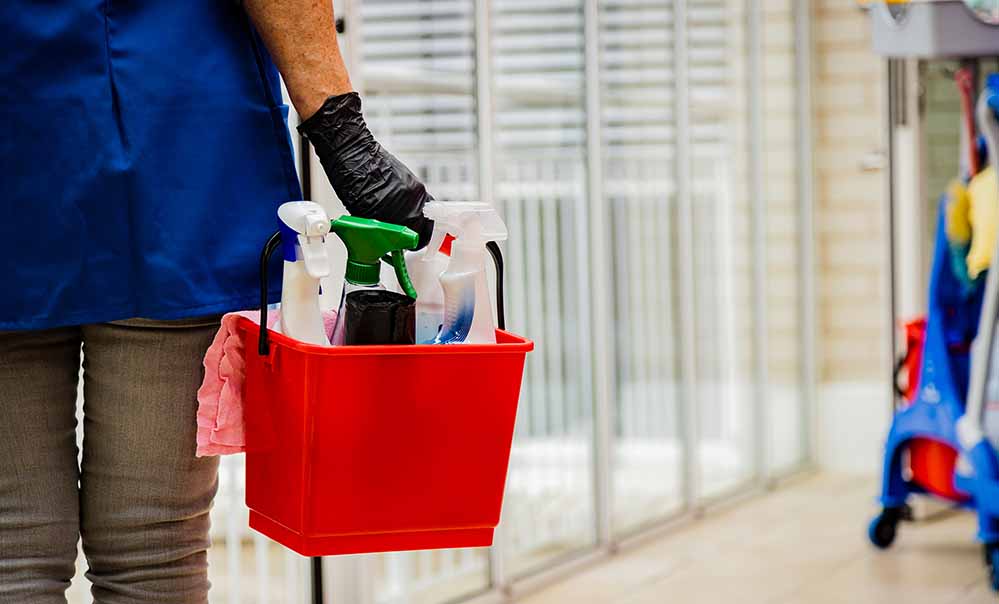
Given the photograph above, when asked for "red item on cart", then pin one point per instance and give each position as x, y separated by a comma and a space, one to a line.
356, 449
932, 462
915, 337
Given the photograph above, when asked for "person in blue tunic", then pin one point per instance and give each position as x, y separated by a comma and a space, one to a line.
144, 149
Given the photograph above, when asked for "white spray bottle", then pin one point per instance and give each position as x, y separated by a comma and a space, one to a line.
304, 226
425, 268
468, 312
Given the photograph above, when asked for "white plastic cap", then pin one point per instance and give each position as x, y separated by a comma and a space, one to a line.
305, 217
469, 221
309, 220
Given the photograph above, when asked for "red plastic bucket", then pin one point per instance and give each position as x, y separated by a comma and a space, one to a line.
354, 449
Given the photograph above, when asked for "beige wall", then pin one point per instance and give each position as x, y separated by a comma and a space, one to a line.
850, 123
853, 406
781, 165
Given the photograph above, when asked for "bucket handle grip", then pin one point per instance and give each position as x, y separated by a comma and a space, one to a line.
274, 242
497, 254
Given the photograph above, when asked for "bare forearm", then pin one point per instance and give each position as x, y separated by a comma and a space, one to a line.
369, 180
301, 37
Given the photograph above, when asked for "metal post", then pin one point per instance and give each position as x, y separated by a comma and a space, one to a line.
486, 168
305, 175
485, 114
806, 224
685, 222
305, 166
316, 570
603, 350
895, 105
761, 444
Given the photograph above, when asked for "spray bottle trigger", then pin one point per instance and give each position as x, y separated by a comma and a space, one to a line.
317, 262
402, 274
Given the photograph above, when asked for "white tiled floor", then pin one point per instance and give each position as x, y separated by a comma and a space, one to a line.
802, 545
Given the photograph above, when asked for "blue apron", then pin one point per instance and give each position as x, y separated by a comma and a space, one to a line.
144, 150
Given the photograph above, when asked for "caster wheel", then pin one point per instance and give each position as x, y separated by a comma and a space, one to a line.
992, 550
884, 527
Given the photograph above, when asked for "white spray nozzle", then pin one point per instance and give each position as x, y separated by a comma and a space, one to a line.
308, 222
470, 222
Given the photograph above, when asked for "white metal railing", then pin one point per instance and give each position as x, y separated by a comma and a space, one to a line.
550, 492
244, 566
429, 576
642, 205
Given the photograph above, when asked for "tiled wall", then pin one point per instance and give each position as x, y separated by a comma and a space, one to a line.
850, 130
849, 124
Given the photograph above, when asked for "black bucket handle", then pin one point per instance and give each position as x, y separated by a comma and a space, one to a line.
274, 242
497, 254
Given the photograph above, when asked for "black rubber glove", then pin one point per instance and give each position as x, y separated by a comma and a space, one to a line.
369, 180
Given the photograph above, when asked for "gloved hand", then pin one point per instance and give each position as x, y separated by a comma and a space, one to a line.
369, 180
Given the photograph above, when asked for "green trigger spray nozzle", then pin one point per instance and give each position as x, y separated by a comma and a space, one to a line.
367, 241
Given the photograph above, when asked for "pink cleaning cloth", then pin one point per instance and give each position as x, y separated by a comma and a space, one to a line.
221, 429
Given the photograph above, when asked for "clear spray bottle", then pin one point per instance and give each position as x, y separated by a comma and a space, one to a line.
468, 313
425, 268
370, 314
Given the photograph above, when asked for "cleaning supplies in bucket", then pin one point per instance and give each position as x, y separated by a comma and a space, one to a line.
327, 468
425, 268
380, 317
304, 226
369, 313
468, 315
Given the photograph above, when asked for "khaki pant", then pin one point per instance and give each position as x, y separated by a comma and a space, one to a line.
140, 499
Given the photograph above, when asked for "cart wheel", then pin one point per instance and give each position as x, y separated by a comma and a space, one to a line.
993, 553
883, 528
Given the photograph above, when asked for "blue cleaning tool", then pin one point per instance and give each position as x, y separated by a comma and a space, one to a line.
950, 401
